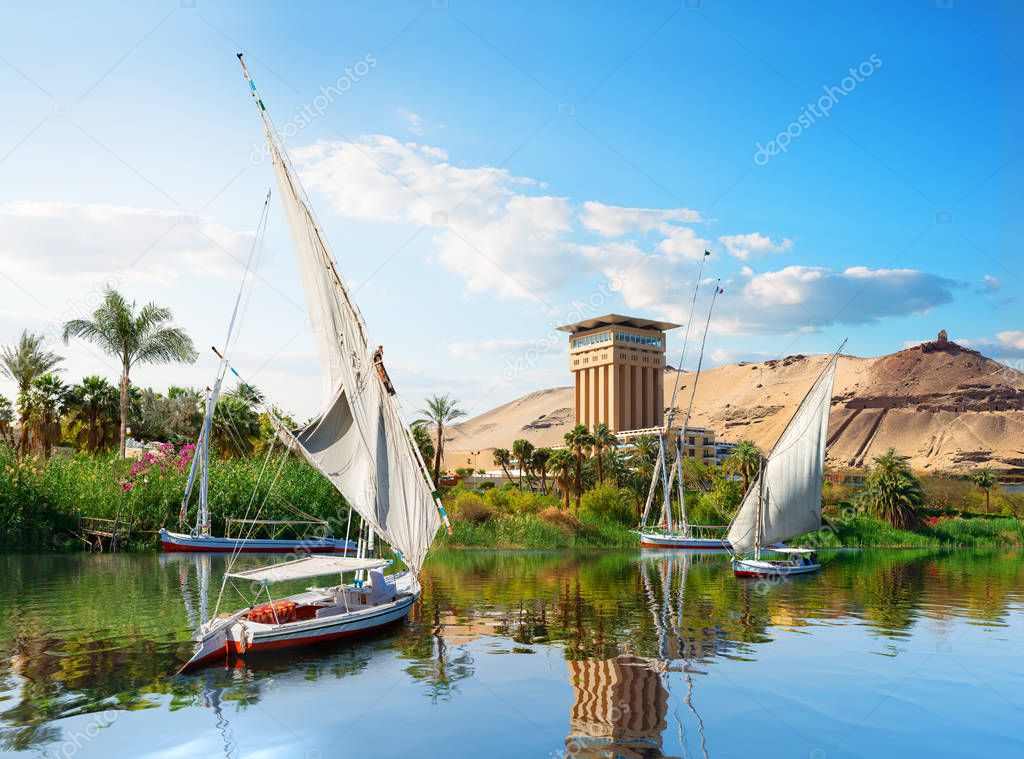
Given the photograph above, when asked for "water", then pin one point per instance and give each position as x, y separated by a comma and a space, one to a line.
533, 655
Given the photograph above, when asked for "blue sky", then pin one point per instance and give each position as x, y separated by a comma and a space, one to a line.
483, 169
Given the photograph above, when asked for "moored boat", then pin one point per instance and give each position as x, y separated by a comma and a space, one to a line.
657, 539
177, 542
360, 443
785, 499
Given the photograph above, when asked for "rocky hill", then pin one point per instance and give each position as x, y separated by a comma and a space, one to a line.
944, 405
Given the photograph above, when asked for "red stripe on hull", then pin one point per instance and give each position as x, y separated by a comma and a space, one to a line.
180, 548
711, 547
277, 645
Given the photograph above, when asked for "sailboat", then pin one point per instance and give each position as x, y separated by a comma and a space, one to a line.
785, 499
679, 534
199, 537
361, 445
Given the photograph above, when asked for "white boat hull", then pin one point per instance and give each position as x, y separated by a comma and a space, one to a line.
234, 635
772, 567
665, 540
176, 542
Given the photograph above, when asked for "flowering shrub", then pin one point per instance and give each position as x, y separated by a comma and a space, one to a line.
165, 459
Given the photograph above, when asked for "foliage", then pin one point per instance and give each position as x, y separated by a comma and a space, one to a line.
421, 437
92, 408
141, 337
559, 518
440, 411
22, 363
986, 480
745, 460
503, 458
891, 491
579, 441
609, 502
47, 398
470, 507
563, 467
602, 439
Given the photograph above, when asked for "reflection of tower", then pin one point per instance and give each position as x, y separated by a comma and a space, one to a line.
619, 710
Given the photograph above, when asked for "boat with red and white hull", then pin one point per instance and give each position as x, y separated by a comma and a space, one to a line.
177, 542
316, 616
651, 539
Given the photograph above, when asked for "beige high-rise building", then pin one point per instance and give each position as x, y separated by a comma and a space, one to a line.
618, 365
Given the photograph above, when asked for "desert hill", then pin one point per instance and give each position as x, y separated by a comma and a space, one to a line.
944, 405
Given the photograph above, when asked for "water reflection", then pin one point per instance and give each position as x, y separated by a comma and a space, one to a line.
640, 638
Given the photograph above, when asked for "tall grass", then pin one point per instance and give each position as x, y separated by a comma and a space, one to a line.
40, 501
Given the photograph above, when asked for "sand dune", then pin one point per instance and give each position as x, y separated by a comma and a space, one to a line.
945, 406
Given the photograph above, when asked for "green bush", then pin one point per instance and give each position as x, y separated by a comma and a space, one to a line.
470, 507
609, 502
559, 518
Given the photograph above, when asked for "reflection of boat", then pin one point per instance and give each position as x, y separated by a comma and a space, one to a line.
671, 533
785, 499
361, 445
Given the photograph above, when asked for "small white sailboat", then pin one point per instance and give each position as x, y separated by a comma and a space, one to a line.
681, 534
785, 499
360, 443
198, 538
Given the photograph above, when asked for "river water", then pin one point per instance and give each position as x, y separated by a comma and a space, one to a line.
522, 654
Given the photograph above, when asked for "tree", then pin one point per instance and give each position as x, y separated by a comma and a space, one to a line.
23, 362
94, 405
236, 422
985, 479
579, 441
892, 492
47, 398
603, 438
745, 460
133, 338
439, 412
421, 437
562, 465
644, 455
6, 422
539, 463
503, 458
522, 452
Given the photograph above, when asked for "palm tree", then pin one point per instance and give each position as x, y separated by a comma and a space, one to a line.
603, 438
439, 412
563, 465
94, 404
539, 463
503, 458
236, 425
985, 479
645, 454
579, 441
892, 492
22, 362
522, 452
745, 460
6, 420
48, 394
134, 338
421, 437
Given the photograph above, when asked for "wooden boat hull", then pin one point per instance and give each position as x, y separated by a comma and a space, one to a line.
660, 540
772, 568
233, 636
176, 542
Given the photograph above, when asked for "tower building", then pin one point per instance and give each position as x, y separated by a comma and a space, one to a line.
618, 365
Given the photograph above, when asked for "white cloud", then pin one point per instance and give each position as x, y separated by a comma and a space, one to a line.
52, 241
412, 120
744, 246
615, 221
990, 285
808, 298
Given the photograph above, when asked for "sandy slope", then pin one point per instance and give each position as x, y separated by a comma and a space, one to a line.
943, 405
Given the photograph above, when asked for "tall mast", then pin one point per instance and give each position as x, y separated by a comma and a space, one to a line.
689, 410
201, 459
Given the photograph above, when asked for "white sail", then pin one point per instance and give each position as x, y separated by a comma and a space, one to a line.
790, 500
359, 441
